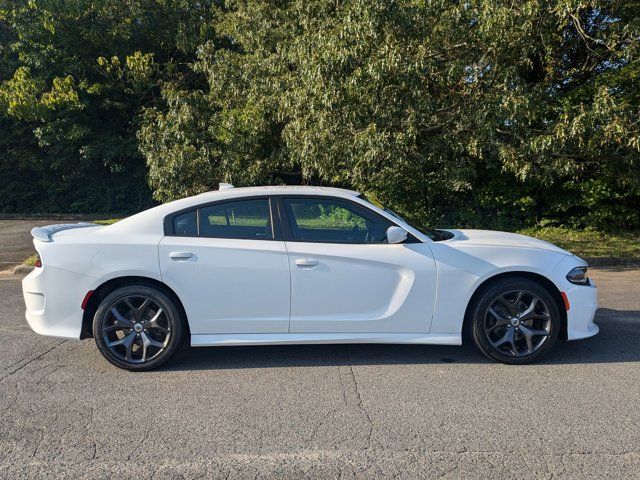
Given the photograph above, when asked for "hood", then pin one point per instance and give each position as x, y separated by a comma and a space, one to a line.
502, 239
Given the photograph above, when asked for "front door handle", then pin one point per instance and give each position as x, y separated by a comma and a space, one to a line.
306, 262
180, 255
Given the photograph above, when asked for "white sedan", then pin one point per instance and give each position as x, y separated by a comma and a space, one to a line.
300, 265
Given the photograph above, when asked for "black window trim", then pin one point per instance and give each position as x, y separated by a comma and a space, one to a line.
279, 219
286, 225
276, 228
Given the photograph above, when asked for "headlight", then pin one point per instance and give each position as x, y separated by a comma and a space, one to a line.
578, 276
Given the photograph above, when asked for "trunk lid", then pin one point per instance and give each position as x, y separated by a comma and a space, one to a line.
46, 233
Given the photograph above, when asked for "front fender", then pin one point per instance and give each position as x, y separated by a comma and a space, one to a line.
461, 271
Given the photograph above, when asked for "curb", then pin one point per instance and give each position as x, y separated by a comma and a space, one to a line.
22, 269
613, 262
19, 270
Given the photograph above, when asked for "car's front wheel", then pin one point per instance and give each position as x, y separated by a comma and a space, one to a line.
137, 327
515, 321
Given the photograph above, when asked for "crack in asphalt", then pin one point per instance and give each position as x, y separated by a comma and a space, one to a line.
29, 360
351, 398
358, 402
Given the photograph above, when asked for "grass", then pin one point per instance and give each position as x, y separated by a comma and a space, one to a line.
31, 261
240, 221
589, 243
108, 221
303, 222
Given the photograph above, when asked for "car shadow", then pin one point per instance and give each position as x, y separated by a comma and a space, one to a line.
617, 341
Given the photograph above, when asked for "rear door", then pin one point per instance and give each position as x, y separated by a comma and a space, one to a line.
345, 277
228, 263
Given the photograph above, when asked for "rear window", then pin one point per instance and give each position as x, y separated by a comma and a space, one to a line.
244, 219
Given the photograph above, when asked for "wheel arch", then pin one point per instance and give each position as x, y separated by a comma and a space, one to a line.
536, 277
110, 285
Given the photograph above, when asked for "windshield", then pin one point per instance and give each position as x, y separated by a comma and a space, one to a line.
432, 234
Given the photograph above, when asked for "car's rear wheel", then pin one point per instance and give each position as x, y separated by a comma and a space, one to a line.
137, 327
515, 321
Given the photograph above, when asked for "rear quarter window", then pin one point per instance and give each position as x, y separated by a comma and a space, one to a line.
185, 224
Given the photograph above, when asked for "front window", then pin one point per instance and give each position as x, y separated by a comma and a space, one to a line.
333, 221
434, 235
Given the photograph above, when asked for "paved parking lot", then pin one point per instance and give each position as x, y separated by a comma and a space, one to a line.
325, 411
15, 239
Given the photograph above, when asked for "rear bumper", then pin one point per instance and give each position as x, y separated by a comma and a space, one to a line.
583, 301
53, 299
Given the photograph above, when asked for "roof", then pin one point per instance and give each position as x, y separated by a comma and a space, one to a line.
282, 190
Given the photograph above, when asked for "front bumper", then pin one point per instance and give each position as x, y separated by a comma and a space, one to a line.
57, 312
583, 300
583, 303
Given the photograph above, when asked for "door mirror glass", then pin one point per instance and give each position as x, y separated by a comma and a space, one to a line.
396, 234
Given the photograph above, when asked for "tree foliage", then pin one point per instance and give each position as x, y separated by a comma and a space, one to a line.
478, 113
75, 77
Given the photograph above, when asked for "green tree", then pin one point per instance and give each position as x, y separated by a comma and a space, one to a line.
486, 113
74, 79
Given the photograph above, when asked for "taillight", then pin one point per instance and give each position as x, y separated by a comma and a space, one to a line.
86, 299
38, 262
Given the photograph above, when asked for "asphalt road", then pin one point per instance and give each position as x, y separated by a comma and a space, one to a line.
324, 411
15, 239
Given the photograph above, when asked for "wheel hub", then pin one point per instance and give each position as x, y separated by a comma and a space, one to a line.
517, 323
135, 329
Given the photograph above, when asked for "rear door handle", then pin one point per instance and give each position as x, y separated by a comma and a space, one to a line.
180, 255
306, 262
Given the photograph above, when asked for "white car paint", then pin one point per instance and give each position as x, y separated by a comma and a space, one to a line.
242, 292
370, 288
229, 286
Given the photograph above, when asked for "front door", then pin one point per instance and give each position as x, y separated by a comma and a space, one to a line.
345, 277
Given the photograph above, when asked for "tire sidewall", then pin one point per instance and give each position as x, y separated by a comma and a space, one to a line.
488, 296
172, 314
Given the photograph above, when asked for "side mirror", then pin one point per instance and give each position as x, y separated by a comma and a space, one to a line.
396, 235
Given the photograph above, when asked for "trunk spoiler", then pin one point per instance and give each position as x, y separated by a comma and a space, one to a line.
44, 234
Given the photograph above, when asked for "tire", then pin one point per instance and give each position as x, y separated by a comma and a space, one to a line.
515, 321
137, 327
